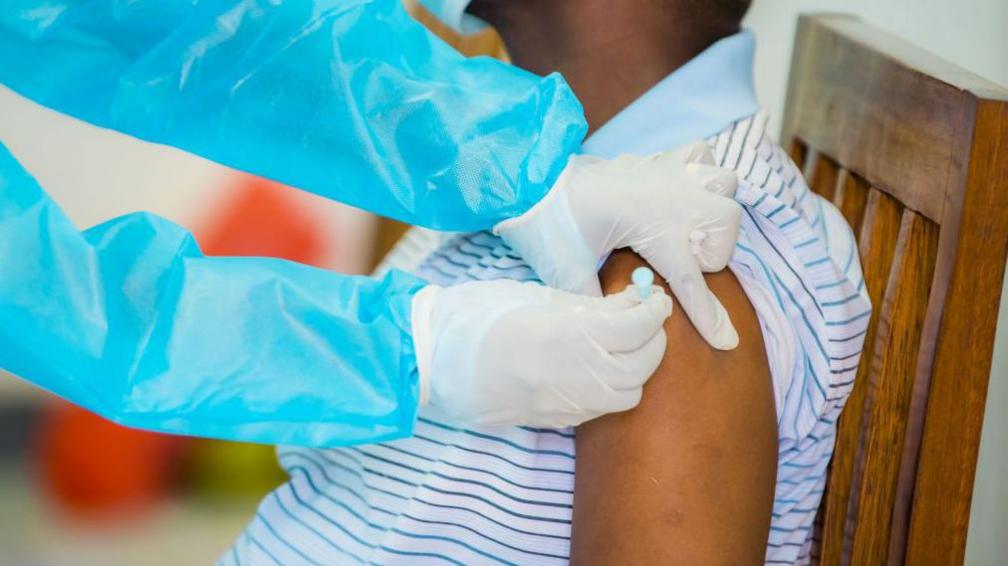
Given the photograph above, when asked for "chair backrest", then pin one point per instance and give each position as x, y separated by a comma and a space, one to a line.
914, 152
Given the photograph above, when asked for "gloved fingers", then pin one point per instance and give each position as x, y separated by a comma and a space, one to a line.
573, 277
631, 370
694, 152
562, 420
591, 286
565, 406
712, 241
625, 299
623, 400
549, 235
714, 179
699, 152
577, 287
574, 273
628, 328
604, 399
711, 233
613, 302
682, 271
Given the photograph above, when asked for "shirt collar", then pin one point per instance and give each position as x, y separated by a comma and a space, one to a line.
696, 101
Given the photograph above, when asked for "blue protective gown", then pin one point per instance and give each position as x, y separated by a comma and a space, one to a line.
350, 99
131, 321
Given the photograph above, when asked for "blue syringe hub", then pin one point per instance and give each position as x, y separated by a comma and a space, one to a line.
643, 279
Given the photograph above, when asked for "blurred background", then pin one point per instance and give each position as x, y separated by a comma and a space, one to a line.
78, 490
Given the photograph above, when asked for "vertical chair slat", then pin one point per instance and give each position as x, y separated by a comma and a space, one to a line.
878, 237
958, 389
799, 153
890, 381
852, 198
823, 176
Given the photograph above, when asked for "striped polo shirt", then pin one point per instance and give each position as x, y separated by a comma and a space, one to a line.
503, 495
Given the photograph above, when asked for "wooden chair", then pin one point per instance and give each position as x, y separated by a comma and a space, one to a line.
914, 152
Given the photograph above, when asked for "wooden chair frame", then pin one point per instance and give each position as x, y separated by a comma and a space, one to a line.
914, 152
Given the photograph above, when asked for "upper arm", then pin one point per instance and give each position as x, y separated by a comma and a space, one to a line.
688, 476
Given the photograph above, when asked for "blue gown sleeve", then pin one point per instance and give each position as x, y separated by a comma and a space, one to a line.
350, 99
131, 321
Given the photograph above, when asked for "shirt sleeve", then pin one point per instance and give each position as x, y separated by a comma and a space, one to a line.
130, 320
349, 99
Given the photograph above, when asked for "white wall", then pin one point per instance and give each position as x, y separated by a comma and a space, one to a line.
974, 35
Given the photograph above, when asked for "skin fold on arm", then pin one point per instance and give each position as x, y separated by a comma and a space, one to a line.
688, 476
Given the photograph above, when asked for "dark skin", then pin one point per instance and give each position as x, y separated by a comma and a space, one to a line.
609, 52
688, 476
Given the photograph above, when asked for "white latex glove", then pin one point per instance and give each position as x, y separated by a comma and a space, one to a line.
509, 353
674, 209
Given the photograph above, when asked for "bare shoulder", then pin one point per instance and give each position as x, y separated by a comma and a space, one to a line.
688, 476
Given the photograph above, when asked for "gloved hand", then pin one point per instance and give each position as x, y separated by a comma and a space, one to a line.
510, 353
674, 209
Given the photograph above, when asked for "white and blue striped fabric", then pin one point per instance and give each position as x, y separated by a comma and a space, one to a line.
504, 495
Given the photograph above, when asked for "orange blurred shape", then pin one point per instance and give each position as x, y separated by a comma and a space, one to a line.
265, 219
89, 465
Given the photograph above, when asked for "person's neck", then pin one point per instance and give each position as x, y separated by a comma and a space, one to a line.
609, 52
